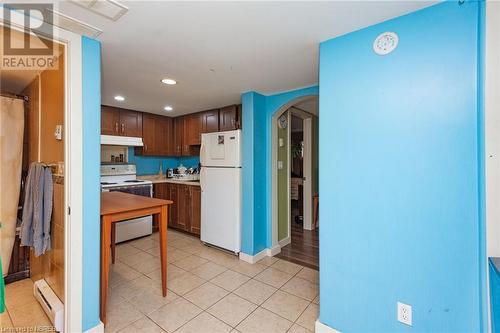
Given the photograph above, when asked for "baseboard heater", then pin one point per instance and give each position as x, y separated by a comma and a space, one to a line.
50, 303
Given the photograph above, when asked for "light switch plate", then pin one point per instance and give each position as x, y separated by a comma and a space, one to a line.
58, 132
404, 314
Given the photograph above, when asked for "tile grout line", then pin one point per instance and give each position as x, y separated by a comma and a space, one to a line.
205, 281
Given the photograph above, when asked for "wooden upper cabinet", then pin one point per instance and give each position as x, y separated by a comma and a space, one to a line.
164, 136
239, 112
148, 135
192, 130
228, 118
209, 121
122, 122
110, 120
178, 126
157, 136
130, 123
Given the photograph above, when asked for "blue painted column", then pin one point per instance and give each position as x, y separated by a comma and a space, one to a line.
91, 96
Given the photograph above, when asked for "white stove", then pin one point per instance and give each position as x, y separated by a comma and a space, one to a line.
123, 178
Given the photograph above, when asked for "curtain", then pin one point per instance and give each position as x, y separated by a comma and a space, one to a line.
11, 155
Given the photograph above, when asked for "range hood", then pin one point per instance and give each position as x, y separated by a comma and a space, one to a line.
121, 141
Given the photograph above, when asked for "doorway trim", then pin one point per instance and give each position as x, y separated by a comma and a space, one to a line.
276, 244
73, 170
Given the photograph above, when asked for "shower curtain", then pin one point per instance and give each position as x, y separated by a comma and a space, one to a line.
11, 156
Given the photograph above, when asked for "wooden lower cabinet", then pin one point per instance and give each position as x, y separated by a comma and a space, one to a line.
185, 212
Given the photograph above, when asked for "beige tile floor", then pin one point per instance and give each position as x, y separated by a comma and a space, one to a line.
23, 310
210, 291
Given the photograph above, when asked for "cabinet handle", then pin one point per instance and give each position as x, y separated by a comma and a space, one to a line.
145, 147
123, 128
116, 127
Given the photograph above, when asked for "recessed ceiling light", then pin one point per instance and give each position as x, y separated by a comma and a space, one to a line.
169, 81
119, 98
168, 108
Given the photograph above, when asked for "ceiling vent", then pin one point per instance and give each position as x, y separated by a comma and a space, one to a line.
71, 24
108, 8
58, 19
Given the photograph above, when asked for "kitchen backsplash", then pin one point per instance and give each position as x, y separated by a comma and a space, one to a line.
148, 165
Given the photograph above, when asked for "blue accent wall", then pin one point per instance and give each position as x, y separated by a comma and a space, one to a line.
150, 165
258, 111
91, 96
494, 265
401, 181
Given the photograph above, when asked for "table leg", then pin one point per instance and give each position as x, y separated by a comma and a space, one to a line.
105, 243
163, 221
113, 241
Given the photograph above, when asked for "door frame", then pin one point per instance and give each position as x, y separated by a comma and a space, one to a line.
276, 244
73, 170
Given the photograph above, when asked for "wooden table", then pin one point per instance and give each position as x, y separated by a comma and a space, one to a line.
118, 206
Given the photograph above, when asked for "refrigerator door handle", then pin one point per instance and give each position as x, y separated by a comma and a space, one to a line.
202, 155
202, 177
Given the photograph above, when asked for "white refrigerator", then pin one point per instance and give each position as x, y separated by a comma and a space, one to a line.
220, 181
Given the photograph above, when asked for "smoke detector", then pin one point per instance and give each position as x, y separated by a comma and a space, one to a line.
385, 43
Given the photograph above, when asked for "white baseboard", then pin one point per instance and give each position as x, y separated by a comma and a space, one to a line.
261, 255
99, 328
285, 241
322, 328
274, 250
253, 259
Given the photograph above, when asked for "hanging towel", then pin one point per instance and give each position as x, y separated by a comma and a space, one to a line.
37, 210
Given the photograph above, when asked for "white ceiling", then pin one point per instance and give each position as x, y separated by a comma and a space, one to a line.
217, 50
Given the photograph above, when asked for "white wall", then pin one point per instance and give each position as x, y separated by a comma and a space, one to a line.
492, 128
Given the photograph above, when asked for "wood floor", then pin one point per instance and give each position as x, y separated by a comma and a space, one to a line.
304, 248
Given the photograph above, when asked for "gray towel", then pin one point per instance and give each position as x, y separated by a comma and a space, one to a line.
37, 210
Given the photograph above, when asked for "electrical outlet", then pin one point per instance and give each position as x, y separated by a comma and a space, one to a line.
404, 314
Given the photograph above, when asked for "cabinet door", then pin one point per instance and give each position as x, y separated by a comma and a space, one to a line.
130, 123
149, 134
239, 116
178, 135
192, 128
110, 120
160, 191
209, 121
163, 136
227, 118
182, 207
195, 210
174, 208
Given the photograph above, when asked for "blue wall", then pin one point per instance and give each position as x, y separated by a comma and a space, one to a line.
401, 180
150, 165
494, 264
91, 96
258, 111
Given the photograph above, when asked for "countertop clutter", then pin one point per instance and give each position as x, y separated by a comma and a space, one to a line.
156, 179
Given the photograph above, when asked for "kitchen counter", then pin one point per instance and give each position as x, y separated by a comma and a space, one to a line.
157, 179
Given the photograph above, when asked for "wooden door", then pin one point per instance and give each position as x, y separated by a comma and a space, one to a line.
149, 134
178, 135
210, 121
130, 123
110, 120
228, 118
195, 210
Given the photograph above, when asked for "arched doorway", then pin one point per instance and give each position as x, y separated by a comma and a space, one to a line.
295, 180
